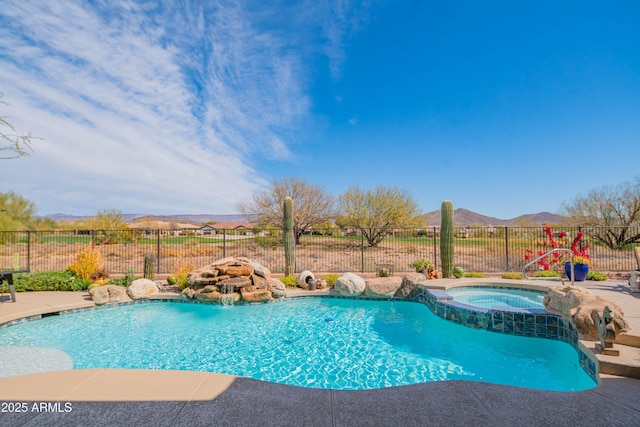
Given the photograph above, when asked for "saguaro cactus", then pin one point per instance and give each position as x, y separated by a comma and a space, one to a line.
289, 238
446, 238
149, 265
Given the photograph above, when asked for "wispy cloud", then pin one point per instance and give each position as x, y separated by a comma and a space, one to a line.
154, 107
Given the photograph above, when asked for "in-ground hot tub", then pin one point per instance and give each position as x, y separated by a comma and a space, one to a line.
491, 296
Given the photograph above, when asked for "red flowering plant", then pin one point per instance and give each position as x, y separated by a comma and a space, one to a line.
556, 260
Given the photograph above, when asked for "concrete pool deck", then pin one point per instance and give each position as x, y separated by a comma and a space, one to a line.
173, 398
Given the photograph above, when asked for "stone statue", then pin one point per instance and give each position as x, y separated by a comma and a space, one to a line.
606, 331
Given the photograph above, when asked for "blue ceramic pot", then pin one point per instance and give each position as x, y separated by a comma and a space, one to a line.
580, 270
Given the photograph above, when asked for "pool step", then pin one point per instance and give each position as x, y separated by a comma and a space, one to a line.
628, 340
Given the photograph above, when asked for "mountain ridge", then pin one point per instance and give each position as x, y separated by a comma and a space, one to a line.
462, 218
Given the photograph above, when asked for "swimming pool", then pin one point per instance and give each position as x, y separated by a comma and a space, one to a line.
490, 297
312, 342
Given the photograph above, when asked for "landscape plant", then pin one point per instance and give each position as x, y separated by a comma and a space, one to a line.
556, 260
446, 238
289, 237
125, 280
331, 279
181, 269
475, 275
376, 213
87, 261
596, 276
421, 265
49, 281
290, 281
512, 275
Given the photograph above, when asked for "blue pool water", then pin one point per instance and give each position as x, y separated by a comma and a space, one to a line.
316, 342
487, 297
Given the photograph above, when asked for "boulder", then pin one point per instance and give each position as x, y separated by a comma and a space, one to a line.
236, 270
208, 296
578, 305
258, 281
142, 288
383, 287
409, 283
236, 282
350, 284
277, 288
253, 294
188, 293
260, 270
109, 293
229, 298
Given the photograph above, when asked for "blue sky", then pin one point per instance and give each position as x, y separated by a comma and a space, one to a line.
503, 107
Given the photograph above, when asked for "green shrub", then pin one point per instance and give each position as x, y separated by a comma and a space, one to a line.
268, 241
49, 281
596, 275
546, 273
124, 280
331, 279
475, 275
289, 281
512, 275
421, 265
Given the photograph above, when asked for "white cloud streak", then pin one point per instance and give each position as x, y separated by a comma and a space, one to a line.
151, 107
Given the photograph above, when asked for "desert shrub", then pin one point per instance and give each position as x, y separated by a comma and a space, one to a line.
331, 279
49, 281
421, 264
546, 273
512, 275
475, 275
124, 280
87, 261
100, 273
596, 275
181, 269
289, 281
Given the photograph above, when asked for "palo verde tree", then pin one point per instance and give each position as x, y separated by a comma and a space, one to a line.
377, 212
613, 212
313, 206
16, 212
12, 144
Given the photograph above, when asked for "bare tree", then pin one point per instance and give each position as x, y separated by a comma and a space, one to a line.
612, 211
377, 212
313, 205
13, 145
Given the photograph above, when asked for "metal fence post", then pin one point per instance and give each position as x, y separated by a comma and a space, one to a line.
158, 251
29, 250
435, 250
506, 246
362, 249
224, 243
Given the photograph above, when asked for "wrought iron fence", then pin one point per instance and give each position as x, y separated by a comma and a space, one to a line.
481, 249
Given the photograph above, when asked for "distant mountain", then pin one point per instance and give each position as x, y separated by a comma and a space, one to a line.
465, 218
184, 218
462, 217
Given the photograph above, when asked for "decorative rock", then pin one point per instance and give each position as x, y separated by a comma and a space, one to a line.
277, 288
235, 271
188, 293
142, 288
210, 272
578, 304
409, 283
109, 293
253, 294
350, 284
321, 283
304, 278
259, 282
223, 261
209, 288
383, 287
208, 296
260, 270
236, 282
